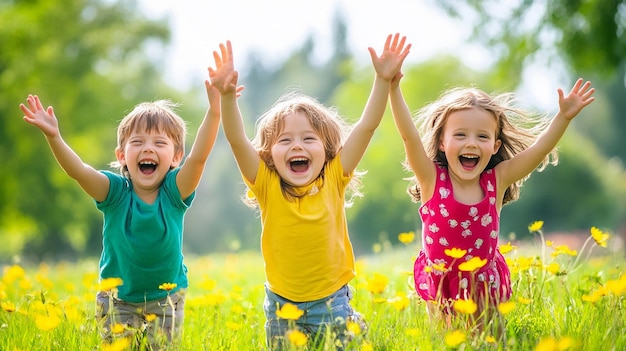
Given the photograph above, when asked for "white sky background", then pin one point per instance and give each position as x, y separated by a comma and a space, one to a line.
275, 28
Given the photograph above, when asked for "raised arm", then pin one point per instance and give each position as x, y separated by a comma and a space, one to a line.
387, 65
421, 165
526, 161
224, 78
94, 183
191, 171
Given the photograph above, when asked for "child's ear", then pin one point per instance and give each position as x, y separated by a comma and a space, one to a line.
121, 157
178, 157
496, 146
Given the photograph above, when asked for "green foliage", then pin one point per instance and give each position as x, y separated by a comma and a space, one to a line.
88, 59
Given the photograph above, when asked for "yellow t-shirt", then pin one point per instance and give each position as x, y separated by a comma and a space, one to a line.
305, 242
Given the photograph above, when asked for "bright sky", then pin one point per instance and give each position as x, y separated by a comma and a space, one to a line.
274, 28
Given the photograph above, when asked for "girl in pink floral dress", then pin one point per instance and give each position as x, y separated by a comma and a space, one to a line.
474, 154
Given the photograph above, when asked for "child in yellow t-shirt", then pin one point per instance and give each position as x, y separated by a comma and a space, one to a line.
298, 168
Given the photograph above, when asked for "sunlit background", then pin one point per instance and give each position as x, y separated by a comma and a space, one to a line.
93, 60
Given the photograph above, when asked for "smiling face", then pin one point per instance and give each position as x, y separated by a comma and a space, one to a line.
148, 156
298, 151
469, 141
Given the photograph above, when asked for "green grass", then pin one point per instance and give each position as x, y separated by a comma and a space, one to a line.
553, 310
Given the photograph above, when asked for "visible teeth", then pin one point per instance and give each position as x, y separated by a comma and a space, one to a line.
147, 163
298, 159
469, 156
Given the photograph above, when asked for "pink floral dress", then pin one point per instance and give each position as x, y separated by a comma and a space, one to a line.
447, 224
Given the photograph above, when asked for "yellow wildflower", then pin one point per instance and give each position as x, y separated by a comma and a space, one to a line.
7, 306
455, 338
13, 273
289, 311
524, 300
473, 264
506, 307
547, 344
455, 252
535, 226
167, 286
46, 323
109, 284
465, 306
406, 238
399, 302
150, 317
377, 284
490, 339
297, 338
553, 268
506, 248
118, 328
353, 328
117, 345
599, 236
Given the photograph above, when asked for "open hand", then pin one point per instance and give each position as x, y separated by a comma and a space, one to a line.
579, 97
389, 63
223, 76
44, 119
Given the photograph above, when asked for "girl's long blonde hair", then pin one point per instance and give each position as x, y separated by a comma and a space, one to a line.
517, 129
325, 121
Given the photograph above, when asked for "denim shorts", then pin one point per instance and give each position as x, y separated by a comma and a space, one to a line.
320, 316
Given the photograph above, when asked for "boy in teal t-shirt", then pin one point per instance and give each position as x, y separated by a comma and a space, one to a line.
143, 210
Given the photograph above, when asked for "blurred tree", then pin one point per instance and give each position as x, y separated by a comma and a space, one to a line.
93, 61
587, 37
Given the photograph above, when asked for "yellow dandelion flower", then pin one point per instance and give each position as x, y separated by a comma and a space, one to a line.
406, 238
565, 343
47, 323
118, 328
600, 237
465, 306
13, 273
455, 338
441, 267
547, 344
535, 226
289, 311
109, 284
8, 306
549, 243
367, 346
297, 338
167, 286
553, 268
506, 248
490, 339
564, 249
618, 286
117, 345
506, 307
473, 264
455, 252
353, 327
399, 302
377, 284
524, 300
150, 317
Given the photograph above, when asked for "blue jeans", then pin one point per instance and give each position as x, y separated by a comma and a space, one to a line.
329, 314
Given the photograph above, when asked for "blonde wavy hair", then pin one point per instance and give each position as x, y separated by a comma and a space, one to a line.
325, 121
517, 129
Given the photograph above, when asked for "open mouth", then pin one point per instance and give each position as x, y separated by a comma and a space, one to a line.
299, 164
469, 161
147, 167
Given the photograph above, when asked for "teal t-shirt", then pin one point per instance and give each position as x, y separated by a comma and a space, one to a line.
142, 243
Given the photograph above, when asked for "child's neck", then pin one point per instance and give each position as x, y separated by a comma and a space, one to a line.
467, 193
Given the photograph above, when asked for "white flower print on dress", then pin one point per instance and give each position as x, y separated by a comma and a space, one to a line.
466, 233
423, 286
492, 200
453, 223
463, 283
444, 192
433, 228
493, 234
481, 277
486, 220
443, 241
428, 240
443, 210
425, 210
490, 187
473, 212
466, 224
478, 243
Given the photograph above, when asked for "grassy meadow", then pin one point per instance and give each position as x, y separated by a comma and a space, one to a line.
564, 298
